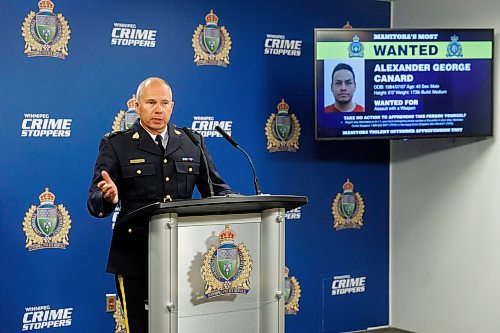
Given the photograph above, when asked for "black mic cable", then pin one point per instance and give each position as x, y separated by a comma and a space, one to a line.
196, 142
231, 141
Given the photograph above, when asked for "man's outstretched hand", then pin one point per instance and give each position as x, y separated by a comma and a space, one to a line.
108, 188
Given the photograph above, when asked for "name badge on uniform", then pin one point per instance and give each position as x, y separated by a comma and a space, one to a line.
187, 159
137, 160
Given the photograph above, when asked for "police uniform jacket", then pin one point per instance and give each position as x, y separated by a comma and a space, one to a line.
145, 175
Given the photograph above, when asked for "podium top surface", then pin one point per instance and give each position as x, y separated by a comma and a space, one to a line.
239, 204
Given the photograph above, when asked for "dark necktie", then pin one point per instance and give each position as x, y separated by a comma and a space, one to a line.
159, 141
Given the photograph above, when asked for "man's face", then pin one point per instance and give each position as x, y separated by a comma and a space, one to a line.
343, 86
154, 106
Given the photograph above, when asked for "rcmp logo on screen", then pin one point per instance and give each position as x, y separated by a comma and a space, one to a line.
279, 45
125, 119
356, 48
282, 130
226, 268
126, 34
292, 293
47, 226
205, 125
211, 43
454, 48
347, 284
40, 125
348, 208
46, 34
41, 317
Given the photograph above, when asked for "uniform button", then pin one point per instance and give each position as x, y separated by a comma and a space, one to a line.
167, 179
139, 172
165, 161
129, 231
190, 169
167, 198
100, 214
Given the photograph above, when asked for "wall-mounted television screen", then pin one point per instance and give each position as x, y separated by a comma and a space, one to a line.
401, 84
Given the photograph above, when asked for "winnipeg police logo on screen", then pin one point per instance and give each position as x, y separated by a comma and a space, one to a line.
46, 34
348, 208
454, 48
282, 130
356, 48
226, 268
125, 119
292, 293
211, 43
43, 316
47, 226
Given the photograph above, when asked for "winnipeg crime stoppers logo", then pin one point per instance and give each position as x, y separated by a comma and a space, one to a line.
346, 284
292, 293
211, 43
279, 45
41, 317
205, 125
226, 269
356, 48
45, 33
282, 130
454, 48
294, 214
41, 125
125, 34
348, 208
125, 119
47, 226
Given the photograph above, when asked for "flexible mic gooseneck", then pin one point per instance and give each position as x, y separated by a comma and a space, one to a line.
196, 142
236, 145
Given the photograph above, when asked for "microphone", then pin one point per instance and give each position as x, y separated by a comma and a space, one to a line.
196, 142
236, 145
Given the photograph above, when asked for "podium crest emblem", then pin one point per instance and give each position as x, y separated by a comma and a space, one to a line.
211, 43
226, 268
282, 130
46, 226
356, 48
348, 208
292, 293
454, 48
125, 119
46, 33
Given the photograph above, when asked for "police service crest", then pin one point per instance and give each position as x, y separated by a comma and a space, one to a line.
46, 34
454, 48
292, 293
226, 268
356, 48
282, 130
125, 119
348, 208
211, 43
47, 226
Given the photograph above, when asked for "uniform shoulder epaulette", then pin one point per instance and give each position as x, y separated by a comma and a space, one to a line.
109, 135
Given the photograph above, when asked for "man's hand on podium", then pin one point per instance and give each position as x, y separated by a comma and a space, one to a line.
108, 188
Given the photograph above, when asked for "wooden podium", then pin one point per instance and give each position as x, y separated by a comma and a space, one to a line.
180, 236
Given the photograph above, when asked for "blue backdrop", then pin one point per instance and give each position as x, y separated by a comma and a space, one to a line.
93, 83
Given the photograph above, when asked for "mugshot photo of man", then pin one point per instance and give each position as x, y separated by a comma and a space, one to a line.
343, 87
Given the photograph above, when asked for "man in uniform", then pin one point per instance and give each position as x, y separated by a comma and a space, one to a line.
343, 88
150, 162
